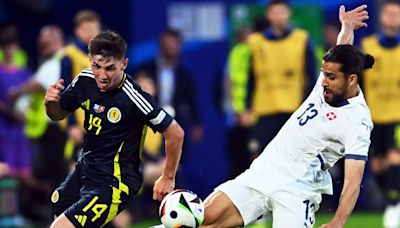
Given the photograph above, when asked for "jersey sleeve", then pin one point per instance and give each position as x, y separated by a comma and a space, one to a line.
69, 97
356, 139
146, 107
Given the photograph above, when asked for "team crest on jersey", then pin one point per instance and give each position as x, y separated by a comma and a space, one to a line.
114, 115
98, 108
55, 196
331, 115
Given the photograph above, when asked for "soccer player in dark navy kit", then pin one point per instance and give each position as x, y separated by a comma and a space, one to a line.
117, 113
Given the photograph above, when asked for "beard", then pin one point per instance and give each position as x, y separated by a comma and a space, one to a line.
334, 98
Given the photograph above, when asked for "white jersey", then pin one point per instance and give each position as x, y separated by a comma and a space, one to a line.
315, 137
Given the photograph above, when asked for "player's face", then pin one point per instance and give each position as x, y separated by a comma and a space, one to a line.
108, 72
390, 16
278, 15
45, 44
170, 46
335, 83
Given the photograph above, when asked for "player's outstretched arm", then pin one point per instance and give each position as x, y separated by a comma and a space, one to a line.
351, 21
173, 135
52, 101
353, 173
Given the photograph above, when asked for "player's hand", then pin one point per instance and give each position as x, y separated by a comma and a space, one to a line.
53, 93
246, 119
355, 18
162, 187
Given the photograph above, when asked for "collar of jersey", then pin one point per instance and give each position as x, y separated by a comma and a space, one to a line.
389, 42
270, 35
122, 82
353, 100
347, 102
343, 103
83, 47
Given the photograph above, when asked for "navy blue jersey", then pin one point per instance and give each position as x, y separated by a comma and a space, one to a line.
116, 122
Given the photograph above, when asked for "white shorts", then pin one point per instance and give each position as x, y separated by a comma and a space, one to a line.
288, 208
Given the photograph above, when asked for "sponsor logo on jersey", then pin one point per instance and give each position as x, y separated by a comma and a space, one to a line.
331, 115
114, 115
99, 108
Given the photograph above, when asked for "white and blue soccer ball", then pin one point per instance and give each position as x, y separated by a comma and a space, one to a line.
181, 209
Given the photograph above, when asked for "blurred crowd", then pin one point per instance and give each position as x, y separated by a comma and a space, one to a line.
271, 68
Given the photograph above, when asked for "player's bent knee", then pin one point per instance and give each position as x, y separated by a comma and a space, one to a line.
220, 212
210, 217
213, 209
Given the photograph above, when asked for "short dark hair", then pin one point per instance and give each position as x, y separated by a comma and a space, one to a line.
86, 15
172, 32
8, 34
351, 59
277, 2
108, 44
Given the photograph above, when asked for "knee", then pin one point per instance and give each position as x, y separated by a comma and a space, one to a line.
210, 218
212, 215
220, 212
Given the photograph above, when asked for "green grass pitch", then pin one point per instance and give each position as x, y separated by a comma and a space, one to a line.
357, 220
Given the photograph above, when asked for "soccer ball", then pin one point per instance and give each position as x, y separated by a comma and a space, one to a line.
181, 208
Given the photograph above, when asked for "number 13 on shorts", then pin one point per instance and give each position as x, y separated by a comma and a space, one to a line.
309, 213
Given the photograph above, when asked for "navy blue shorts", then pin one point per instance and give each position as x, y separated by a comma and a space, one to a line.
86, 203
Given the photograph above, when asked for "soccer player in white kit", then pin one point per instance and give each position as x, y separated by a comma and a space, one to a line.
288, 178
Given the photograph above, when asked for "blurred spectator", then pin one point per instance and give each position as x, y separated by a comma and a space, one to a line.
87, 24
331, 30
283, 71
14, 149
19, 57
382, 91
47, 138
14, 145
238, 68
176, 90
